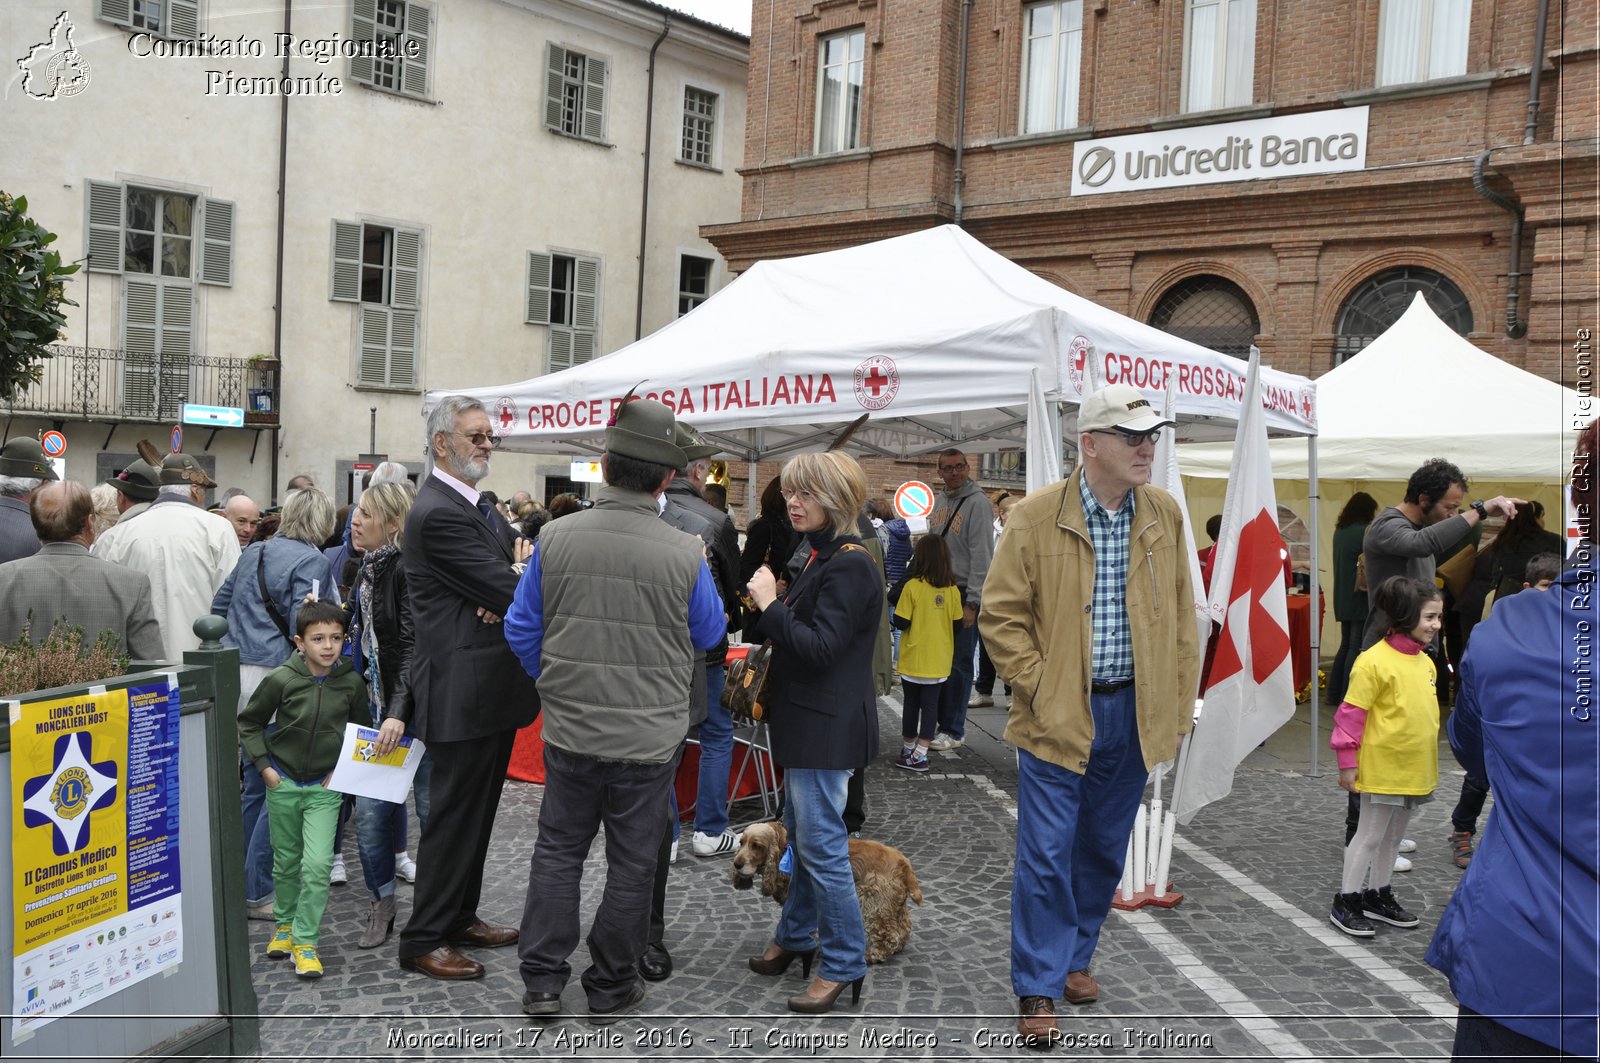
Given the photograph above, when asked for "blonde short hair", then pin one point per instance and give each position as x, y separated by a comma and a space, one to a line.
307, 516
105, 506
835, 480
389, 503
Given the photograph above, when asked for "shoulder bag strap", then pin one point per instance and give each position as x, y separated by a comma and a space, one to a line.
266, 596
953, 514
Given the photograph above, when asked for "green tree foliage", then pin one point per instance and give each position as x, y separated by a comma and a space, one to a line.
31, 296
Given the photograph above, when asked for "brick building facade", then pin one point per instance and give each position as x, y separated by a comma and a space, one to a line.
855, 116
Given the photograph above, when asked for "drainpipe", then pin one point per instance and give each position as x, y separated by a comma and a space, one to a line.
1536, 71
961, 110
644, 198
277, 290
1516, 327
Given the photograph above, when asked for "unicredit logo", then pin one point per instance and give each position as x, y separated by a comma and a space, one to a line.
1097, 166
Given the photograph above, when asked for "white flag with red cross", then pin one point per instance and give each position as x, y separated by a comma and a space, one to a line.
1249, 692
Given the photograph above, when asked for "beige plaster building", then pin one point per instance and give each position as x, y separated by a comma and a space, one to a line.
315, 212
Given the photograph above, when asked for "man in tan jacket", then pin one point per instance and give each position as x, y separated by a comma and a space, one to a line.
1088, 615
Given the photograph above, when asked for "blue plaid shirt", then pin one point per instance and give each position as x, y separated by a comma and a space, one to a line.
1109, 533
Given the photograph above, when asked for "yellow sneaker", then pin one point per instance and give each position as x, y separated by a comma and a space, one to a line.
306, 964
281, 943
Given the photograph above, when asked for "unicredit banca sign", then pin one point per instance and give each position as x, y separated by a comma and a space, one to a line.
1262, 148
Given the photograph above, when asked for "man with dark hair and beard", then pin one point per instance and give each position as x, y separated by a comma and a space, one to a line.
611, 618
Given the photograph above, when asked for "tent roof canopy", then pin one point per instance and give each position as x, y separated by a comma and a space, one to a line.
933, 334
1421, 391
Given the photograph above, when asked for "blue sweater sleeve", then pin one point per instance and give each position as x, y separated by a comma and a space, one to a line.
706, 619
524, 621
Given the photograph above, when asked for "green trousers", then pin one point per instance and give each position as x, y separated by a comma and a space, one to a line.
303, 817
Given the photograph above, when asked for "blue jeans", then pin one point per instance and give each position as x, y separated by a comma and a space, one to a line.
375, 838
258, 885
958, 688
716, 759
822, 900
1072, 840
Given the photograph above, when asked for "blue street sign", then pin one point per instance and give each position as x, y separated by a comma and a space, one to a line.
217, 416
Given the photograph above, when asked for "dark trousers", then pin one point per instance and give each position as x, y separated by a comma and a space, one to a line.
467, 780
919, 717
1474, 791
1345, 659
985, 681
1482, 1040
579, 795
855, 800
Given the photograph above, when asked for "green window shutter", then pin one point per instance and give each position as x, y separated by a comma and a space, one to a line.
586, 294
117, 11
216, 253
594, 98
538, 303
141, 311
344, 283
560, 348
402, 348
373, 365
363, 30
183, 20
104, 226
414, 76
407, 263
555, 61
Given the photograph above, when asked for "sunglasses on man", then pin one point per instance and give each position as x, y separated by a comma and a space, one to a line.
1132, 439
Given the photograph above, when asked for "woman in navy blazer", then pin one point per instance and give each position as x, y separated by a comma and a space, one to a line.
824, 720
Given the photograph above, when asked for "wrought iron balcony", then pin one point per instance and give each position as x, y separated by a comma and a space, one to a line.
110, 384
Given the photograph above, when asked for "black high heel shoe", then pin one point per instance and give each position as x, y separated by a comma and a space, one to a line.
815, 1001
772, 966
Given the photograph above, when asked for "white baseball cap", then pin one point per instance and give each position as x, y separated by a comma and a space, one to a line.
1120, 406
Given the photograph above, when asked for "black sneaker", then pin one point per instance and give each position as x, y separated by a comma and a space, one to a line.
1347, 916
1381, 905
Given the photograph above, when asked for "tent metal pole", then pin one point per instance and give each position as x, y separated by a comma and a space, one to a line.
1316, 597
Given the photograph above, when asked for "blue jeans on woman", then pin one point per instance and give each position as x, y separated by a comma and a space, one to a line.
258, 884
716, 759
822, 900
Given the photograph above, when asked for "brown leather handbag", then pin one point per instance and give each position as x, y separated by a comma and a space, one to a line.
747, 688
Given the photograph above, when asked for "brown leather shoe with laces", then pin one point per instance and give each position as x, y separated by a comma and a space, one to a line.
1036, 1022
1081, 988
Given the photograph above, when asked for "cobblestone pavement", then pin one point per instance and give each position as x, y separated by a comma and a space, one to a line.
1247, 967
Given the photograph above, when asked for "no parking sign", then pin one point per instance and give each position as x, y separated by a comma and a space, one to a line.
53, 443
913, 499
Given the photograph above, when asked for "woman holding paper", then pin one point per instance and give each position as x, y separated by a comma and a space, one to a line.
381, 635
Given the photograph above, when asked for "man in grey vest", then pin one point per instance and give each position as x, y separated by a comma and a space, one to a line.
610, 617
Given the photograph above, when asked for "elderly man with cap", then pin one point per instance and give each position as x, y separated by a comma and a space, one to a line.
608, 618
711, 834
23, 469
63, 581
1102, 666
186, 552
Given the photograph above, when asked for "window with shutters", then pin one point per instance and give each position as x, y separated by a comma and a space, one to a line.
158, 345
575, 93
694, 282
841, 73
159, 232
1050, 65
394, 42
1219, 57
699, 127
1420, 40
564, 293
378, 267
168, 19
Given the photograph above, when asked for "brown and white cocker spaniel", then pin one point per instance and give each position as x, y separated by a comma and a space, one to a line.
884, 883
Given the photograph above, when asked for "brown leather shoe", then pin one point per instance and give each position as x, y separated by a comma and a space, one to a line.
1082, 988
481, 935
1036, 1022
443, 962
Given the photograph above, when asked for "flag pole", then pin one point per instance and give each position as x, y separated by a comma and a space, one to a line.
1316, 612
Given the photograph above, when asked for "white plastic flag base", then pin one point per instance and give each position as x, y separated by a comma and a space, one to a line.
1149, 858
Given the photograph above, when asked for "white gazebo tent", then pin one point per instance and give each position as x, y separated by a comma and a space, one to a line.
1416, 392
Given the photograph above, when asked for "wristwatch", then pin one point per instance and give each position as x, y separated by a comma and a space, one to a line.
1482, 510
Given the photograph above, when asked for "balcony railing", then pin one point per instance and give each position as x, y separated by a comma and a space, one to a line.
110, 384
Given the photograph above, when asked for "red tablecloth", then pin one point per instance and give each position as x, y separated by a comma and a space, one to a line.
1300, 635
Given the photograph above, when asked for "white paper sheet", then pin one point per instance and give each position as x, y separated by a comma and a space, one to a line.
361, 772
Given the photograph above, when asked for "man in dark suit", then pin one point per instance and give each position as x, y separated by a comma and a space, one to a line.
63, 581
23, 469
462, 561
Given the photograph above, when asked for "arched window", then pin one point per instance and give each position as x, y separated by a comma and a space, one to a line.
1383, 298
1211, 311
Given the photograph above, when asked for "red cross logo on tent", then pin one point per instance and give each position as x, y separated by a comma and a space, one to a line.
1259, 569
877, 382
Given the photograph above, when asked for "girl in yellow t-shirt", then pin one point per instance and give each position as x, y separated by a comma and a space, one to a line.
1386, 735
927, 613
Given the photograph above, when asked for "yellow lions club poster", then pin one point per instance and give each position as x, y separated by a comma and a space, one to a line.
94, 798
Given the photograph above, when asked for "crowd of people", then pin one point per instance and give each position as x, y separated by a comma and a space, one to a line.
610, 619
